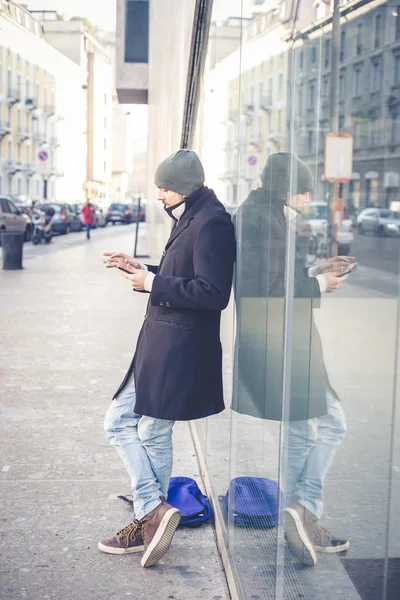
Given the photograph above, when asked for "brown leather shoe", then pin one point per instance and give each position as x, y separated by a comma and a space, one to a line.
158, 528
126, 541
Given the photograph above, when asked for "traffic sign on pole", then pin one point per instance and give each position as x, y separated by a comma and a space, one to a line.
43, 155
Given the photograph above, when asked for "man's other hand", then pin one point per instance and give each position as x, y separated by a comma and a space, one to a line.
137, 278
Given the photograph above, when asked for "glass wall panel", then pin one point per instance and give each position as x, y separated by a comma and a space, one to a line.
299, 133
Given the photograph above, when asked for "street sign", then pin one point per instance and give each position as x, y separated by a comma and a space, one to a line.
252, 161
43, 155
338, 157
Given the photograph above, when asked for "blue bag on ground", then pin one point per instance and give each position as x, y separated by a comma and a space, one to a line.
184, 494
253, 501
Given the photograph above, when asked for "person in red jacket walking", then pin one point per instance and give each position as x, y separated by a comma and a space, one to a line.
89, 215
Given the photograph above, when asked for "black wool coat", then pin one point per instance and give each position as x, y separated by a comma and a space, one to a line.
178, 360
261, 231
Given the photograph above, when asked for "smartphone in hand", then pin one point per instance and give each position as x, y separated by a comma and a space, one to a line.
352, 267
109, 263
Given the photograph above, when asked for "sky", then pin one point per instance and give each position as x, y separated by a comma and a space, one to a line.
99, 12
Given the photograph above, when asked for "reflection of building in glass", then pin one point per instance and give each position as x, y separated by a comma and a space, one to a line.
369, 99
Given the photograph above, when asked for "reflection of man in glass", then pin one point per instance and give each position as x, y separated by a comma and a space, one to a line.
315, 421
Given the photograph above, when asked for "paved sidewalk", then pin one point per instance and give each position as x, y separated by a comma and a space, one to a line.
69, 328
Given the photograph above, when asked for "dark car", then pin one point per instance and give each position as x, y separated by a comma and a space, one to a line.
65, 218
120, 213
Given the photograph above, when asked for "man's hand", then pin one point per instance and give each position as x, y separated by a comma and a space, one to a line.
137, 278
336, 264
122, 260
332, 282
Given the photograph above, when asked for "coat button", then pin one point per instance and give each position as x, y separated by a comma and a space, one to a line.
167, 304
145, 317
164, 253
161, 303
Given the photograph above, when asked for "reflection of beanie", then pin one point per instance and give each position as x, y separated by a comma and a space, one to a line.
182, 172
286, 175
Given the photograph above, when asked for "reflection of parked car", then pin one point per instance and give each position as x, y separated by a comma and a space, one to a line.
316, 216
380, 221
65, 218
14, 219
119, 213
101, 220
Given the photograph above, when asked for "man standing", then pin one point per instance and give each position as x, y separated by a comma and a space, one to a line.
89, 216
176, 372
314, 420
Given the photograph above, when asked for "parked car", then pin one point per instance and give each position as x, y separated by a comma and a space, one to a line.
65, 218
316, 216
13, 218
120, 213
379, 221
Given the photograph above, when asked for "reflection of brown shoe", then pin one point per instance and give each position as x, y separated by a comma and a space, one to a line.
299, 524
158, 528
126, 541
324, 541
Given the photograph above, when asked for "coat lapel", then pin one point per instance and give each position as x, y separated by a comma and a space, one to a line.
196, 203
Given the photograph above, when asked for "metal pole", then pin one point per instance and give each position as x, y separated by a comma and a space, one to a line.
137, 228
334, 120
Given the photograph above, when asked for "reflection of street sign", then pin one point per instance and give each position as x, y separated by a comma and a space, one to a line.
338, 157
252, 160
43, 155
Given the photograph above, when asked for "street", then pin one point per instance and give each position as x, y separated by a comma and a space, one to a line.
69, 328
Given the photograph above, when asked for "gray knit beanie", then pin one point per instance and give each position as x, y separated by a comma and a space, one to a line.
182, 172
286, 175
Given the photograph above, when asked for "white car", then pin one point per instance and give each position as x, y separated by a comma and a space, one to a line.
316, 216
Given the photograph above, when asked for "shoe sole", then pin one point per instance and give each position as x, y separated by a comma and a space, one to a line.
111, 550
162, 539
297, 538
332, 549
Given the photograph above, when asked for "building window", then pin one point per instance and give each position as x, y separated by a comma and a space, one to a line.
310, 141
374, 133
343, 44
375, 76
378, 22
9, 80
311, 96
397, 69
325, 87
359, 39
105, 166
261, 91
327, 53
341, 123
301, 61
313, 56
357, 82
28, 186
9, 117
1, 185
341, 88
28, 87
19, 151
398, 22
357, 134
19, 188
300, 99
395, 130
137, 31
279, 121
9, 149
280, 85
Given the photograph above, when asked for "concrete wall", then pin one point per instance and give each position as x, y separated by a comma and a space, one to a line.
171, 23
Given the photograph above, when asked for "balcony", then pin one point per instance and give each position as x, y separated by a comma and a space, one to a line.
54, 142
29, 169
12, 166
23, 134
249, 110
266, 103
49, 110
276, 137
30, 103
56, 172
40, 137
13, 96
255, 140
5, 129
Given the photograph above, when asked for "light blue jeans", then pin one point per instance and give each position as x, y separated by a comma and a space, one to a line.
145, 446
308, 450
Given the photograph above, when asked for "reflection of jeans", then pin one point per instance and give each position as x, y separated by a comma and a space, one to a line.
88, 228
145, 446
309, 447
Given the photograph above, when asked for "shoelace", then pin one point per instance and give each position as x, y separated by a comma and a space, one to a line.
129, 532
324, 533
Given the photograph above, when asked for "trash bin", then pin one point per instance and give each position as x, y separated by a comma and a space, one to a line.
12, 243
